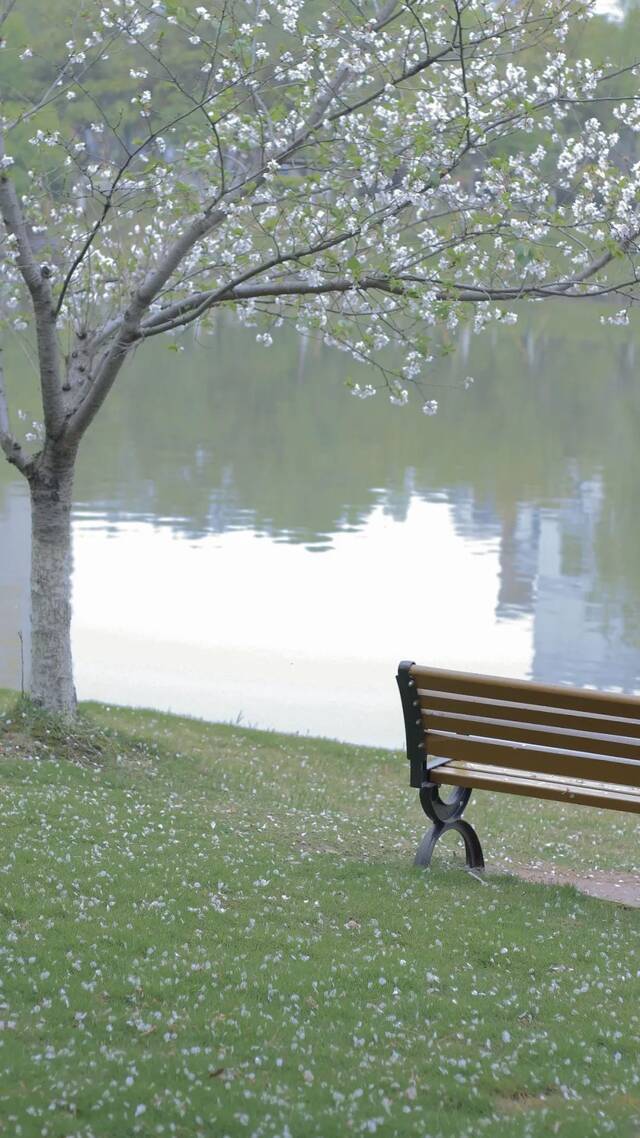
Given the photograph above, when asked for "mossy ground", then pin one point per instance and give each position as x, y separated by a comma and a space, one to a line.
207, 931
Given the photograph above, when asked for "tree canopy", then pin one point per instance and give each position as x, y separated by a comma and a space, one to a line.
363, 173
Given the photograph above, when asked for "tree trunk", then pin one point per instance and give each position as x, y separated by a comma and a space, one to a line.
51, 562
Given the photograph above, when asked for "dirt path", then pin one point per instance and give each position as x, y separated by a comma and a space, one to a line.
608, 885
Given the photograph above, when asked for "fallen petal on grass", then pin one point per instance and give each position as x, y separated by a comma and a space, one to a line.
288, 971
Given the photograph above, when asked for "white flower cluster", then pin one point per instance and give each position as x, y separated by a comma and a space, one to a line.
629, 115
620, 319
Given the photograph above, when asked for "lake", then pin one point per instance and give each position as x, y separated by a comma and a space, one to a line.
254, 544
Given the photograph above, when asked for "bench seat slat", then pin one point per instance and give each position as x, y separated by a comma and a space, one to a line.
547, 760
538, 734
550, 778
583, 792
524, 691
527, 713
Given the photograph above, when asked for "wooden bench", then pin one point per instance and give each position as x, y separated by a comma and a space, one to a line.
545, 741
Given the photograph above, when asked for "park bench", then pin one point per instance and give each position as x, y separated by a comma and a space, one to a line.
545, 741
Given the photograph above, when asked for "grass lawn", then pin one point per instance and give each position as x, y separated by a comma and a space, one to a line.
210, 931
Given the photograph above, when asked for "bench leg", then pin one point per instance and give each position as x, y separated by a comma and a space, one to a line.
472, 847
448, 816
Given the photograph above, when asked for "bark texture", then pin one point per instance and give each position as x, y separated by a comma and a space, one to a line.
51, 564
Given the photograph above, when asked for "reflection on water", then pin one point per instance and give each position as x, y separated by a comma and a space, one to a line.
548, 568
248, 536
236, 625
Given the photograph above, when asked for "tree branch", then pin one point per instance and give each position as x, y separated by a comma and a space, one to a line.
36, 279
186, 311
108, 202
155, 281
207, 299
398, 286
60, 85
6, 12
9, 444
463, 72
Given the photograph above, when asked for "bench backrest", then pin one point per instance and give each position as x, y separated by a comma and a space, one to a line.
544, 728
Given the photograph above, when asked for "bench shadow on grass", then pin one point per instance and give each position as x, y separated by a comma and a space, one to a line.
551, 843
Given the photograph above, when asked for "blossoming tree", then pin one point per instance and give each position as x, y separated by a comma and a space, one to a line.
370, 173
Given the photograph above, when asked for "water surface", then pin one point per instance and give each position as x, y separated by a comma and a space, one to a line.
251, 541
